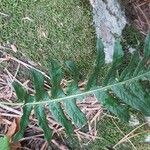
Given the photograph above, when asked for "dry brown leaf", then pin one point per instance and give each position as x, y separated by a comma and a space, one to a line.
15, 146
11, 131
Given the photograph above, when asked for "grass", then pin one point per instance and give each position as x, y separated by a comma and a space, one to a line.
43, 29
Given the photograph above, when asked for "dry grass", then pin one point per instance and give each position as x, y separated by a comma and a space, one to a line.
138, 12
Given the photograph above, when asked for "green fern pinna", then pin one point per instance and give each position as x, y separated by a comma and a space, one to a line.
118, 92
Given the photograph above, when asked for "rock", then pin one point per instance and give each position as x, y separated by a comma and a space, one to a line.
147, 118
134, 121
109, 21
147, 139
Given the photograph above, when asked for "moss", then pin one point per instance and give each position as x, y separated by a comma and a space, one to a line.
43, 29
132, 38
110, 135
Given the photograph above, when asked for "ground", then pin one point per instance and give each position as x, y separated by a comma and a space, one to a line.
62, 29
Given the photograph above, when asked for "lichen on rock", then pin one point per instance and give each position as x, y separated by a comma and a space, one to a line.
109, 21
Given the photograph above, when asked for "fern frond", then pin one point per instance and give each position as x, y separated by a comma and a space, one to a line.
23, 96
119, 91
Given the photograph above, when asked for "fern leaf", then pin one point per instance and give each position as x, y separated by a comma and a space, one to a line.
56, 91
24, 120
41, 116
23, 97
38, 80
20, 91
127, 73
113, 105
105, 99
117, 61
41, 95
56, 75
142, 65
93, 79
147, 47
77, 116
54, 107
73, 70
118, 92
4, 143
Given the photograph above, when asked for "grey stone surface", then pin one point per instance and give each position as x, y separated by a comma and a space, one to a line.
109, 20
